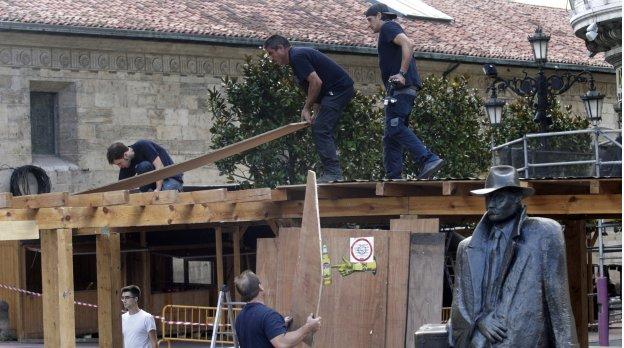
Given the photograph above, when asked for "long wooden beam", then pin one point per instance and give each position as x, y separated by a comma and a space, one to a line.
203, 160
605, 206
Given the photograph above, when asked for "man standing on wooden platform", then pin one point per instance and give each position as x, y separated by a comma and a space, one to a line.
400, 77
138, 326
142, 157
329, 89
259, 326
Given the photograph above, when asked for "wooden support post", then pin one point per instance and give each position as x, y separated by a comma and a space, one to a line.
219, 253
146, 275
236, 236
57, 278
576, 257
107, 248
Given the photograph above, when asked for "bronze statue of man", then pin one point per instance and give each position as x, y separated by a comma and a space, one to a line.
511, 283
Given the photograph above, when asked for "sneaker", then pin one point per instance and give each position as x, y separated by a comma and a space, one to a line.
430, 168
325, 178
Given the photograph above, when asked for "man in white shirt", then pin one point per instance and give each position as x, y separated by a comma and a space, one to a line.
138, 326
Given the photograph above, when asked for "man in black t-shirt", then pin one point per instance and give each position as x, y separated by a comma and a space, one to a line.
400, 77
329, 89
259, 326
142, 157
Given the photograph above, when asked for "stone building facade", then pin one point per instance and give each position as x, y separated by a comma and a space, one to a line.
110, 89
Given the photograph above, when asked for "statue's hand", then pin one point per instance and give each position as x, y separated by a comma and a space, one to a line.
491, 326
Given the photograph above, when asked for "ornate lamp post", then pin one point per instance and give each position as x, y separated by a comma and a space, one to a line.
541, 87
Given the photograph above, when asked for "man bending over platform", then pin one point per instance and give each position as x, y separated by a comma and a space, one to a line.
142, 157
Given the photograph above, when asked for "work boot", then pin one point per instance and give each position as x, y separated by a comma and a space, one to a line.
329, 177
430, 168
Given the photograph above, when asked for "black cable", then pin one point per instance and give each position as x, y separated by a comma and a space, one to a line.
19, 180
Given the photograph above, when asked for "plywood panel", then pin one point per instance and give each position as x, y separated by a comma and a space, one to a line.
353, 307
287, 251
398, 274
18, 230
10, 261
426, 274
308, 274
415, 225
266, 262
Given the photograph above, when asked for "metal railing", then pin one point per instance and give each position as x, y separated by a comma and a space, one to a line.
196, 324
596, 161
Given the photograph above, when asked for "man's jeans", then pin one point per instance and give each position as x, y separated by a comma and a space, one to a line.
323, 129
168, 184
397, 135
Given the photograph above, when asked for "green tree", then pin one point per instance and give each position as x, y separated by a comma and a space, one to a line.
267, 98
448, 117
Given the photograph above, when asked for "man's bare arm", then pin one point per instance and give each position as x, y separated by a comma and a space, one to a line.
407, 49
314, 89
153, 339
293, 338
157, 165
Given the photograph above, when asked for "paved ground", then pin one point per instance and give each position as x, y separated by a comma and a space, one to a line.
615, 337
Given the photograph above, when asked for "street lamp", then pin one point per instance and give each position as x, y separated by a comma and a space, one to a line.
592, 101
494, 108
541, 87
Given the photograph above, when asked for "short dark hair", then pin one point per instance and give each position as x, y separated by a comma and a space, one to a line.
275, 41
135, 290
116, 151
248, 285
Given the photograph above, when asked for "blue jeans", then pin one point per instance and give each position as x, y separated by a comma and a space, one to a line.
397, 136
323, 129
168, 184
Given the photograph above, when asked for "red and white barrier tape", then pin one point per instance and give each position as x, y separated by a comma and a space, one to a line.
157, 317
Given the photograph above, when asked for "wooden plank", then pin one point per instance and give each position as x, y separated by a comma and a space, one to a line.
426, 274
5, 199
398, 274
148, 198
88, 200
252, 195
415, 225
18, 230
393, 189
203, 160
209, 196
116, 197
460, 188
576, 259
236, 236
53, 199
58, 288
108, 259
219, 255
11, 274
266, 264
278, 195
308, 273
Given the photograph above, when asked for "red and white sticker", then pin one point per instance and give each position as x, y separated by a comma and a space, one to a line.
362, 249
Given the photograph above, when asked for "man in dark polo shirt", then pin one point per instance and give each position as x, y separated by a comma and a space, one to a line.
329, 89
142, 157
259, 326
400, 77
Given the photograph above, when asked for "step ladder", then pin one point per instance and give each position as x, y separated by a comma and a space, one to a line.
222, 329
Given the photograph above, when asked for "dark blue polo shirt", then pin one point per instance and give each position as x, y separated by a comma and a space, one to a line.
390, 55
305, 60
256, 325
146, 150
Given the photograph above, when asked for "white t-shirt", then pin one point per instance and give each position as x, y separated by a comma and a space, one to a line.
136, 328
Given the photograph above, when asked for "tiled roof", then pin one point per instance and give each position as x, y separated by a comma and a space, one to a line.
481, 28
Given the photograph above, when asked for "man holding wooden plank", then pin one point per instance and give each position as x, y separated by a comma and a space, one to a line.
259, 326
329, 89
142, 157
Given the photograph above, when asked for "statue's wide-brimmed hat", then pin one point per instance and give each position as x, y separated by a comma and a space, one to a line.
501, 177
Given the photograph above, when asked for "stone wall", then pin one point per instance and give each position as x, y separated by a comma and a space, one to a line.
123, 90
